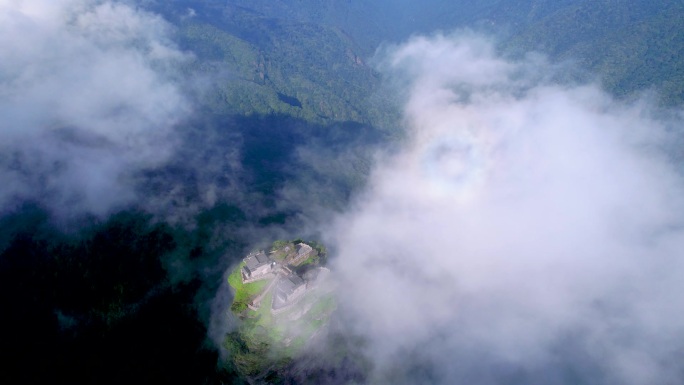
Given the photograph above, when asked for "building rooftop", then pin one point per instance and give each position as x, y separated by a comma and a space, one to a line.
255, 260
303, 248
288, 284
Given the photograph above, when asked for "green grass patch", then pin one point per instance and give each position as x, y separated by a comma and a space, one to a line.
324, 305
264, 316
318, 315
297, 344
262, 323
235, 277
244, 292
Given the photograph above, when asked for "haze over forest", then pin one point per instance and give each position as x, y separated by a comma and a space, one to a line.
498, 183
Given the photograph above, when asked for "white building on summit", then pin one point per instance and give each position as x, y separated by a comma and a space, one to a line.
257, 266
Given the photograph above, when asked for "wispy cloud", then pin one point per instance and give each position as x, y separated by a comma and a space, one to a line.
528, 231
88, 95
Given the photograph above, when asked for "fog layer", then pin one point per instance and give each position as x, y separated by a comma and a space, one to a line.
527, 232
87, 97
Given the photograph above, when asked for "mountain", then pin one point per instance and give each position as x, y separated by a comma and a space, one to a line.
289, 112
262, 64
632, 45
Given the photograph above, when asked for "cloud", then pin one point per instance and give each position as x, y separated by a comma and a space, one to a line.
527, 232
89, 95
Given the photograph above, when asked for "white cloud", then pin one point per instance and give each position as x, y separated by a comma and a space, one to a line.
519, 213
88, 95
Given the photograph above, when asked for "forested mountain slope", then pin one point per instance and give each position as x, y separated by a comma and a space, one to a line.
260, 64
631, 45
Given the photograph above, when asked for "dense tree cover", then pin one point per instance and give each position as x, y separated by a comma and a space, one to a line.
274, 65
97, 305
632, 45
129, 294
272, 167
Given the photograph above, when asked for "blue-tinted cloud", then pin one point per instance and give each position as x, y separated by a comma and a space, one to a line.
528, 231
88, 96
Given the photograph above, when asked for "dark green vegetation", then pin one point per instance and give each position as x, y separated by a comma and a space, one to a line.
101, 300
265, 346
243, 292
274, 65
129, 297
632, 45
272, 167
285, 130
